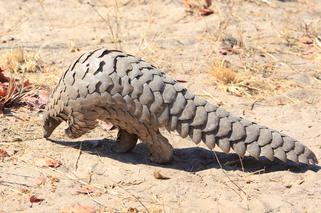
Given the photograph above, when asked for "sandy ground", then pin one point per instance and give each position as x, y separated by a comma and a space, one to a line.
277, 55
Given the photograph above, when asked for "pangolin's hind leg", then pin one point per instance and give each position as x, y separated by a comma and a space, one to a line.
160, 149
125, 141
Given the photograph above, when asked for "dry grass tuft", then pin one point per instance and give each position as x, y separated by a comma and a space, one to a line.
224, 74
245, 83
317, 44
19, 61
73, 48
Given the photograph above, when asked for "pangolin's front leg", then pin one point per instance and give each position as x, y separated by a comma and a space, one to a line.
80, 124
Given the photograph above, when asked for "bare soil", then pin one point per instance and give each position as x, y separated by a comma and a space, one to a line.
275, 67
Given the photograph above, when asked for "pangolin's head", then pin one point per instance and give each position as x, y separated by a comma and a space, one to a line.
49, 124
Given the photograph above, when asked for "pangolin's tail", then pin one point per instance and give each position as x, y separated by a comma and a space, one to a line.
201, 121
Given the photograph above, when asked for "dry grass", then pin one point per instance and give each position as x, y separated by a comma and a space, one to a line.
245, 83
317, 44
19, 61
224, 74
112, 20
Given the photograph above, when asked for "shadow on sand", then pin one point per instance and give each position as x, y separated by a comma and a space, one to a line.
188, 159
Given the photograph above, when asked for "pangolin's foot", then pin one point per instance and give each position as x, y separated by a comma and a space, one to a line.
160, 149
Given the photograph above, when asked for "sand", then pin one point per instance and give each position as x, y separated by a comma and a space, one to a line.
277, 57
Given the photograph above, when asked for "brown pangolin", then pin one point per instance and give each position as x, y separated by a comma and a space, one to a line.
140, 99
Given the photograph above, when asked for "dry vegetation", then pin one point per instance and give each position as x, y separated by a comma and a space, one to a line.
19, 61
260, 59
15, 87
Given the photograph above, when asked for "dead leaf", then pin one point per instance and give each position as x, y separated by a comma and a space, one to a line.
159, 176
300, 181
38, 100
39, 181
205, 11
12, 90
193, 7
77, 208
25, 190
53, 163
306, 40
288, 186
53, 179
85, 190
224, 51
47, 162
132, 210
249, 181
3, 153
280, 100
35, 199
317, 76
3, 90
3, 78
181, 79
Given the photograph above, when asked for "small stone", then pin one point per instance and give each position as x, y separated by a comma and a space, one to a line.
318, 76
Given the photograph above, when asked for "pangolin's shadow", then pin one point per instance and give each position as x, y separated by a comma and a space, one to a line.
188, 159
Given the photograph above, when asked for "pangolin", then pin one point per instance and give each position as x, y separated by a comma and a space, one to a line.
139, 99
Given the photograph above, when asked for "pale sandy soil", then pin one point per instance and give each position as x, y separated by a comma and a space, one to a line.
284, 93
